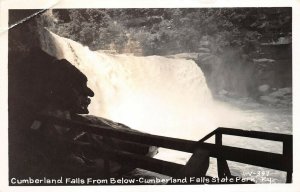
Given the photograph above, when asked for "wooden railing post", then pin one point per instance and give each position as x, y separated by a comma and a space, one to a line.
288, 155
223, 169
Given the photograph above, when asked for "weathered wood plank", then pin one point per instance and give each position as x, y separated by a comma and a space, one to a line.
255, 134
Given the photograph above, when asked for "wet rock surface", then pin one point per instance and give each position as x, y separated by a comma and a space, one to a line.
280, 97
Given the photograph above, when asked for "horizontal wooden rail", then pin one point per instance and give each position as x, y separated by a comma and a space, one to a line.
287, 140
255, 134
247, 156
133, 136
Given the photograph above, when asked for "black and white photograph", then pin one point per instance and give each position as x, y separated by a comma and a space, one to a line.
143, 96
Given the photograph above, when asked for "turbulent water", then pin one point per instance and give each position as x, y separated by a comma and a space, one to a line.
169, 97
154, 94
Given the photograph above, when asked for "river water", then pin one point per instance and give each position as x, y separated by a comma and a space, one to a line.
170, 97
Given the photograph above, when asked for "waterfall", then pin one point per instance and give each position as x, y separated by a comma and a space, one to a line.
154, 94
163, 96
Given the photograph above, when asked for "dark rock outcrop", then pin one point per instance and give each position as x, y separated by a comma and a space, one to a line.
36, 83
42, 85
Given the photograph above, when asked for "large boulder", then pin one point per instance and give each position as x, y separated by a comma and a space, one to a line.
263, 89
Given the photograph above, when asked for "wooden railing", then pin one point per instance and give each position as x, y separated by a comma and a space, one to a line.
282, 162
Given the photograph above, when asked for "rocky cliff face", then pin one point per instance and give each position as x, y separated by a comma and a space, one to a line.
36, 81
234, 73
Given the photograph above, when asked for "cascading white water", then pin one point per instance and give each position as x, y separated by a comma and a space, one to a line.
154, 94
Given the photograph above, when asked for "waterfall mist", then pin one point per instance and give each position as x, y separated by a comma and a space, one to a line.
154, 94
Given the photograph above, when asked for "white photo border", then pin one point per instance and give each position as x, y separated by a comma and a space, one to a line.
5, 5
